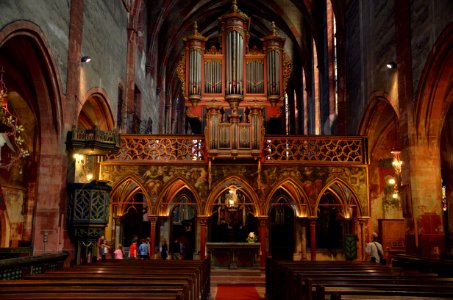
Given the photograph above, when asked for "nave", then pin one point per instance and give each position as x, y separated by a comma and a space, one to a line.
408, 277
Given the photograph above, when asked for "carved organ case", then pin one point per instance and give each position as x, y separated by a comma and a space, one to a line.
238, 88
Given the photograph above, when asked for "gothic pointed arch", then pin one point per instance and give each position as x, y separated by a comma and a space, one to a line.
36, 99
346, 197
169, 193
124, 190
380, 114
435, 89
299, 199
96, 111
223, 185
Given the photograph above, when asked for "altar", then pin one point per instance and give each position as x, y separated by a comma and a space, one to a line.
234, 255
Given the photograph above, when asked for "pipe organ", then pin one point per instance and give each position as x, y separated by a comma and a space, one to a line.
235, 87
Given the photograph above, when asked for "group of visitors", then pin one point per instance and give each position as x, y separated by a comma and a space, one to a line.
175, 250
104, 250
139, 251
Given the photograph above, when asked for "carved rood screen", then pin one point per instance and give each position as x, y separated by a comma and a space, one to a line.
276, 149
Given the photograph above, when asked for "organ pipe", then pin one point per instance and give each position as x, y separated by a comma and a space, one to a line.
248, 81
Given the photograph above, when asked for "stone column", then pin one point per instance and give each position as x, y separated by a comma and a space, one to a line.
262, 237
117, 227
313, 238
203, 221
152, 235
303, 239
361, 224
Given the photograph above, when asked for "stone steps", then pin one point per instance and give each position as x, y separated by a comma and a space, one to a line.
238, 277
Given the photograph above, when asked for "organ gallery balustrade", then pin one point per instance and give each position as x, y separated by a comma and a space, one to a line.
275, 149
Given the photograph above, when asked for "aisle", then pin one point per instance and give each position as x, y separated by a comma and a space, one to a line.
236, 292
237, 284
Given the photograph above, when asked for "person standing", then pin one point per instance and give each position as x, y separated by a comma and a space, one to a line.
143, 250
374, 250
118, 253
133, 249
164, 250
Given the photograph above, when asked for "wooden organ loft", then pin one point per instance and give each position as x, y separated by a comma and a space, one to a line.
234, 89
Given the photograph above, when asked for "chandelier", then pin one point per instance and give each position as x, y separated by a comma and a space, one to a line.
10, 130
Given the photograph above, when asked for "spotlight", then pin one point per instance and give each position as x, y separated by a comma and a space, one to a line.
85, 59
391, 65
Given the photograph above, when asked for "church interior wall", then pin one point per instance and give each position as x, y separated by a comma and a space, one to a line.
52, 18
39, 205
428, 19
105, 41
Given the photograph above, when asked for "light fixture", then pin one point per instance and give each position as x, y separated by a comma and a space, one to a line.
391, 65
396, 164
85, 59
444, 197
231, 198
10, 130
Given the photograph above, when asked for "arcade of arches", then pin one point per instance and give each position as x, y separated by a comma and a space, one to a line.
203, 121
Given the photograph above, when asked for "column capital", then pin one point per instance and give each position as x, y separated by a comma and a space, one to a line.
363, 219
262, 220
153, 219
203, 220
312, 219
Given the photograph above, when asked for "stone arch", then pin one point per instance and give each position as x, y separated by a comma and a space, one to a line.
171, 190
380, 114
340, 189
299, 198
35, 88
435, 89
96, 111
125, 189
46, 83
224, 184
381, 126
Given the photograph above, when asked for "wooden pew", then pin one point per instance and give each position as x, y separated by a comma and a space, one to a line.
443, 267
315, 280
116, 280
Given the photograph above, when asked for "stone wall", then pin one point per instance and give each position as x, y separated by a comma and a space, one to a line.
370, 44
52, 16
428, 19
105, 40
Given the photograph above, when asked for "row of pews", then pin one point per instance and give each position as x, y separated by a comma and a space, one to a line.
338, 280
116, 279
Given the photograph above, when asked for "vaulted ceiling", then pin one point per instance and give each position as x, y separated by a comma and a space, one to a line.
171, 20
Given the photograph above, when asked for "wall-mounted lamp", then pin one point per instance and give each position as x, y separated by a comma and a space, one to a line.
85, 59
391, 65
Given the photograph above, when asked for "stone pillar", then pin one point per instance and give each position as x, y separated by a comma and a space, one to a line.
152, 235
262, 237
313, 238
203, 221
361, 224
117, 227
303, 240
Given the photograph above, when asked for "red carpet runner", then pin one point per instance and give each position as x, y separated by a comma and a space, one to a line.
236, 292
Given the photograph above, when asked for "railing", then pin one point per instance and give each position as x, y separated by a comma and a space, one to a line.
315, 149
17, 268
160, 148
279, 149
105, 137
